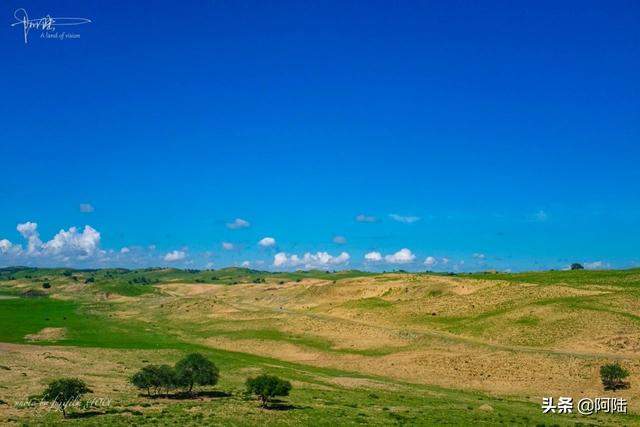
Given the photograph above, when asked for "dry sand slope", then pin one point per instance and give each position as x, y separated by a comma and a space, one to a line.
505, 338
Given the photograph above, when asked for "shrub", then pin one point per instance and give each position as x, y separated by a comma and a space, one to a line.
64, 392
612, 376
195, 369
46, 285
577, 266
155, 377
267, 386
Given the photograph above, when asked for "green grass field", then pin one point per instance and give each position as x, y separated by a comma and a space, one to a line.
321, 395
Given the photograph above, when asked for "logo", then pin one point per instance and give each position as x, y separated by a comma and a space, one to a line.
47, 25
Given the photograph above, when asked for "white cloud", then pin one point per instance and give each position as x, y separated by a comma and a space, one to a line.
66, 245
403, 256
341, 240
479, 256
175, 256
86, 208
430, 261
29, 230
6, 246
404, 219
365, 218
319, 260
373, 256
246, 264
596, 265
267, 242
280, 259
227, 246
125, 250
445, 261
73, 242
238, 223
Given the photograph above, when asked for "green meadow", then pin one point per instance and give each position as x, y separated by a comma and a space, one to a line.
96, 329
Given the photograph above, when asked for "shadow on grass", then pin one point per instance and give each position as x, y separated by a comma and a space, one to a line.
618, 385
111, 411
183, 395
280, 405
213, 393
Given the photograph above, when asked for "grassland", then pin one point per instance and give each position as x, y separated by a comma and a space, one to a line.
360, 348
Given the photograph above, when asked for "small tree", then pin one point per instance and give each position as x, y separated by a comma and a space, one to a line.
64, 392
195, 369
612, 376
577, 266
166, 378
143, 379
154, 377
267, 387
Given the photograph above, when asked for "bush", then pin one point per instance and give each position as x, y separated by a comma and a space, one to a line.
46, 285
156, 378
612, 376
64, 392
577, 266
267, 386
195, 369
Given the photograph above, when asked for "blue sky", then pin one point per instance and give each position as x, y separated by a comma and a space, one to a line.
487, 135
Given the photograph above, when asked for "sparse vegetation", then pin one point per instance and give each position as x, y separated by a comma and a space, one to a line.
338, 341
613, 376
195, 369
155, 378
65, 392
266, 387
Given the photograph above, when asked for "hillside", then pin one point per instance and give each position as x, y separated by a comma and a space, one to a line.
430, 348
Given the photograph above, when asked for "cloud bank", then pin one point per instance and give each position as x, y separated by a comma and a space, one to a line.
319, 260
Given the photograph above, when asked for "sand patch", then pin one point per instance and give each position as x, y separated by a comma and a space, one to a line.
47, 334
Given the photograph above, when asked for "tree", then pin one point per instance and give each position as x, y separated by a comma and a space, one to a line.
64, 392
143, 379
195, 369
577, 266
612, 376
154, 377
267, 387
